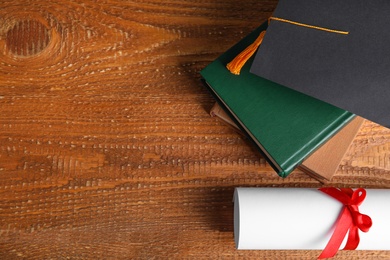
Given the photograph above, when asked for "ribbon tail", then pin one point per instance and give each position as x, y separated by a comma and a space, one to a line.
342, 226
353, 239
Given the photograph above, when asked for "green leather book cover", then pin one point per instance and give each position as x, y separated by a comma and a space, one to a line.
286, 126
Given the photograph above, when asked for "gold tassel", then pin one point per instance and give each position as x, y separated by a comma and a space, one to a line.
239, 61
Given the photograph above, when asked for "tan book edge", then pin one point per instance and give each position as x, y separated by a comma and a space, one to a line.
324, 162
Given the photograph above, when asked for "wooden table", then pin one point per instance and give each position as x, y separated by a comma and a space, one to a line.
107, 150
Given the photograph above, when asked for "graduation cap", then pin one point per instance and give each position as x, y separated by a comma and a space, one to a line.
335, 51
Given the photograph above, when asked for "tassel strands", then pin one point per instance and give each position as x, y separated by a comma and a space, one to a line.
239, 61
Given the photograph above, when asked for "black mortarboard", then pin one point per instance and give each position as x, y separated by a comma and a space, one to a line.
334, 50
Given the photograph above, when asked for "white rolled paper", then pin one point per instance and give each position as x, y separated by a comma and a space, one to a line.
303, 218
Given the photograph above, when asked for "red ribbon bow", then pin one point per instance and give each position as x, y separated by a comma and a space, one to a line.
350, 220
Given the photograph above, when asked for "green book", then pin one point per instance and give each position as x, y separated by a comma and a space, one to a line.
286, 126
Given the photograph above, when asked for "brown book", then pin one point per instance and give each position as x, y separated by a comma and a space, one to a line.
324, 162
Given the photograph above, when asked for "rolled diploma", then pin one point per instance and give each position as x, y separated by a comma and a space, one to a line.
303, 218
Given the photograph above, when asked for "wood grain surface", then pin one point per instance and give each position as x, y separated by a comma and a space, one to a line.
107, 149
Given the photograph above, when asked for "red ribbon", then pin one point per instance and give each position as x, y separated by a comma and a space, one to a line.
350, 220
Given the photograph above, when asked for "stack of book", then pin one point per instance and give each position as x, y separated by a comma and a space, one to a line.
297, 99
324, 162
